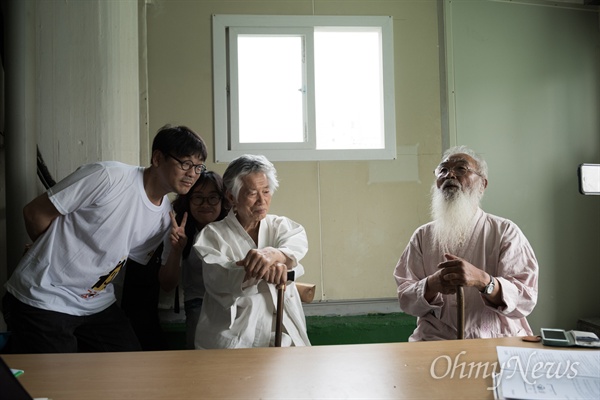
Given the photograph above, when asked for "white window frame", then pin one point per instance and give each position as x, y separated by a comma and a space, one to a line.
227, 146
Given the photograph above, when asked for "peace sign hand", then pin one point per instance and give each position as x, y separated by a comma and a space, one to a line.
178, 236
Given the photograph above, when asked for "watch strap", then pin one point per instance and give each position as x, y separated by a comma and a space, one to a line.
489, 288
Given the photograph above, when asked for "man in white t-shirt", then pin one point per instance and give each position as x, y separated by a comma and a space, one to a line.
60, 297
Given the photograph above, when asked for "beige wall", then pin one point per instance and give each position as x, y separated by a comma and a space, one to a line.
522, 81
358, 215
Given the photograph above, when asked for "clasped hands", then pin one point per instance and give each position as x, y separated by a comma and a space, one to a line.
454, 272
266, 264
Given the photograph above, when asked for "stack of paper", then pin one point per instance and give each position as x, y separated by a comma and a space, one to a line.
539, 374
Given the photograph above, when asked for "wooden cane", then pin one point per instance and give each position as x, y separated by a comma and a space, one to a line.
460, 312
279, 320
291, 276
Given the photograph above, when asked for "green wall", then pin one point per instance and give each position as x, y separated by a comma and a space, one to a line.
359, 329
526, 93
332, 330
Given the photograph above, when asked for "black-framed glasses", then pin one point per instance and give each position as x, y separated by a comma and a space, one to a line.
213, 200
187, 165
458, 170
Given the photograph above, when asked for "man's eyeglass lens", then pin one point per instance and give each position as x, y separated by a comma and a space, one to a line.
458, 170
187, 165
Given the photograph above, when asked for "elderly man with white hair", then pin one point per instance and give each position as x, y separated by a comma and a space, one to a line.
246, 256
464, 246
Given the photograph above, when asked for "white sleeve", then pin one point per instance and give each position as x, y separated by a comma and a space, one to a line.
82, 188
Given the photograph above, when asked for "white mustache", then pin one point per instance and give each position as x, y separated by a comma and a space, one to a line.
451, 183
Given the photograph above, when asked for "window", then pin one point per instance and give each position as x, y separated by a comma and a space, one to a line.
303, 87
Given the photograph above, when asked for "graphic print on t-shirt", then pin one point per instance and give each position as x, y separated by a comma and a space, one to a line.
104, 281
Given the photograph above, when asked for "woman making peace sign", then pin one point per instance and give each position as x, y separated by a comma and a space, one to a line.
203, 204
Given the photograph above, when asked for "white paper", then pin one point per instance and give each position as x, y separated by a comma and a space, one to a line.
540, 374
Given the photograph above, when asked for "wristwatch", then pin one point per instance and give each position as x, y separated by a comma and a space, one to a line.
489, 288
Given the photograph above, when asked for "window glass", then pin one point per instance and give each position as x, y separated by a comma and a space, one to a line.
270, 89
348, 87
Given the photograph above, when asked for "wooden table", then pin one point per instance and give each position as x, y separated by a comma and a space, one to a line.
381, 371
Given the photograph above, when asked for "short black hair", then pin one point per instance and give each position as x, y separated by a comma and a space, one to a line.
179, 141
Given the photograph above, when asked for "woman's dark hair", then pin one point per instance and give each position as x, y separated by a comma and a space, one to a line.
181, 205
179, 141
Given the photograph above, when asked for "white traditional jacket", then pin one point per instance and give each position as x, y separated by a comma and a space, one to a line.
238, 314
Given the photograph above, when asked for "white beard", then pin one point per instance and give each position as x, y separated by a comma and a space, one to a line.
453, 211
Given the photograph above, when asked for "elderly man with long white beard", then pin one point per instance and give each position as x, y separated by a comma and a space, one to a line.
464, 246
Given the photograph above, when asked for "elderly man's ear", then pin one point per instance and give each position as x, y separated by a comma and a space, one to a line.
230, 198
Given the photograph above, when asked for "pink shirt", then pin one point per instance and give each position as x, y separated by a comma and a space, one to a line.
498, 247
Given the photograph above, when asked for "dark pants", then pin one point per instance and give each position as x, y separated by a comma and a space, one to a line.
35, 330
140, 302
